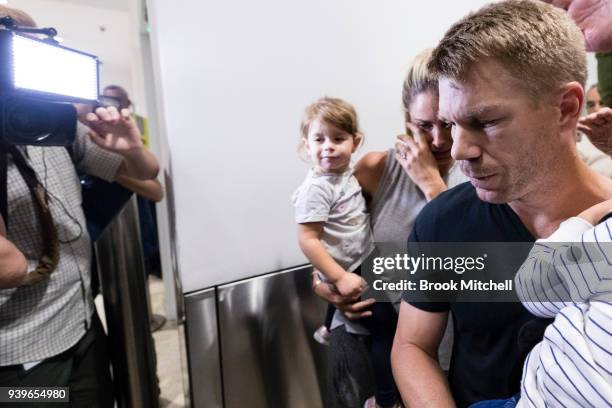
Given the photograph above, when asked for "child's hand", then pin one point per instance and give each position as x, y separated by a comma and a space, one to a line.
350, 285
596, 212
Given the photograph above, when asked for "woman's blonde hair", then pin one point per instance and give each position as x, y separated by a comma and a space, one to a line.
419, 79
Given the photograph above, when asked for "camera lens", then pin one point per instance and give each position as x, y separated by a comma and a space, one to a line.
29, 122
35, 121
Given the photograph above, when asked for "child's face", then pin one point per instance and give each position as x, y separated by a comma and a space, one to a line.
328, 147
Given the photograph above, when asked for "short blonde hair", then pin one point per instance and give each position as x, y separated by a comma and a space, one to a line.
419, 79
538, 43
333, 111
21, 18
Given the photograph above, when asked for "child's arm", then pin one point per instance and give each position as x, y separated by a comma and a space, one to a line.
596, 212
557, 274
309, 238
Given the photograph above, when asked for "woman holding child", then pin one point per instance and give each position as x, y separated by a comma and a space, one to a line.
396, 185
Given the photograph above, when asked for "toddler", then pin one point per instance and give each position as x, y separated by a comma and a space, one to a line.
333, 225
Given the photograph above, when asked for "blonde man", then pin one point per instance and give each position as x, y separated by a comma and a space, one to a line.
511, 80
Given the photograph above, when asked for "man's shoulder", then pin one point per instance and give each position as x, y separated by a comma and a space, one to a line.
445, 215
452, 201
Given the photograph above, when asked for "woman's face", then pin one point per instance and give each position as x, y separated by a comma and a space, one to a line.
424, 115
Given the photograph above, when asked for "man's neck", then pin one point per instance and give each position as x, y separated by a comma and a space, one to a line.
568, 192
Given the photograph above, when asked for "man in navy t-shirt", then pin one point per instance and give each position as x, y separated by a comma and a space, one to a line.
486, 360
511, 79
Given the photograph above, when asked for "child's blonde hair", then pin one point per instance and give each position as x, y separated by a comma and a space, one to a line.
332, 111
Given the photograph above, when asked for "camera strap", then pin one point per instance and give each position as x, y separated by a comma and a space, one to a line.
50, 254
3, 190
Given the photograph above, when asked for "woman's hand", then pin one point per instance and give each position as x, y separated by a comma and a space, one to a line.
351, 307
415, 156
598, 128
596, 212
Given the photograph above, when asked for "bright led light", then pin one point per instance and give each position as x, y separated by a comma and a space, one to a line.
42, 67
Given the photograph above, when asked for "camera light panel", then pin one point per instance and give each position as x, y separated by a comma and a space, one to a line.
42, 67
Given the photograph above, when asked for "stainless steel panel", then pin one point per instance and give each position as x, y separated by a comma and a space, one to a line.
269, 358
124, 288
173, 261
203, 346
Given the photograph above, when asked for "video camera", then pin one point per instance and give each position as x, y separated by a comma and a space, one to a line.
39, 81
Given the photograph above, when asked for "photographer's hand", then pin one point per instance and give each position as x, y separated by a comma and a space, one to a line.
598, 128
117, 132
593, 19
113, 130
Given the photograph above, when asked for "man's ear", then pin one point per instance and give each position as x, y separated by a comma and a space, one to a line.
570, 105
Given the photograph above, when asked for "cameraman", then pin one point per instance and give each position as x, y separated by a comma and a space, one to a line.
50, 334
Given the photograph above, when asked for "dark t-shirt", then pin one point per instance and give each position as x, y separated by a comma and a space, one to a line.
486, 360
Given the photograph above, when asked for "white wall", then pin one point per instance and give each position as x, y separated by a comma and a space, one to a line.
235, 77
592, 67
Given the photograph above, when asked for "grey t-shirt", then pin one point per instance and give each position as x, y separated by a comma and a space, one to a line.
394, 208
398, 200
336, 201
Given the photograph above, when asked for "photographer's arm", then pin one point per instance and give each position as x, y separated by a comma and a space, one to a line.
117, 132
13, 265
149, 189
139, 164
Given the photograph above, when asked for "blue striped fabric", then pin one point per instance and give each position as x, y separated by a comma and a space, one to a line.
572, 366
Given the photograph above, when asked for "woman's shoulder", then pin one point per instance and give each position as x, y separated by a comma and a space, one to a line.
369, 170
